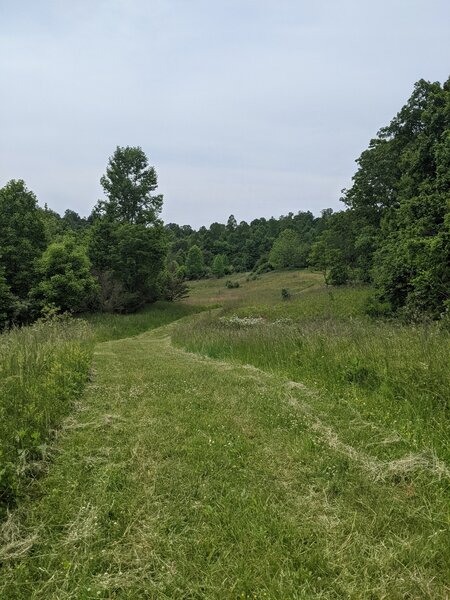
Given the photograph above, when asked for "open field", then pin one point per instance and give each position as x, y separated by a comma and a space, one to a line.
265, 289
279, 450
393, 374
43, 370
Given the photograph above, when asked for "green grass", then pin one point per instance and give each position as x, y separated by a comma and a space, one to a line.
279, 450
43, 368
107, 326
187, 478
264, 290
394, 375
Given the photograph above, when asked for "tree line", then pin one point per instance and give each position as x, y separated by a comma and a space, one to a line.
394, 232
115, 260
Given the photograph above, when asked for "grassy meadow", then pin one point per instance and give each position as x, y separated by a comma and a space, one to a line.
393, 374
262, 449
43, 370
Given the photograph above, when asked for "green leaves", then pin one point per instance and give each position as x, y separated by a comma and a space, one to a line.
65, 277
128, 183
22, 236
289, 251
128, 244
195, 267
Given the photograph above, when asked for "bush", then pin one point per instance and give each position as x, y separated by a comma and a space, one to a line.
231, 284
65, 277
375, 308
264, 267
337, 275
172, 287
285, 294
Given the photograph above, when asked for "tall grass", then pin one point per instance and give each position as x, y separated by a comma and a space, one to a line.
392, 375
43, 368
108, 326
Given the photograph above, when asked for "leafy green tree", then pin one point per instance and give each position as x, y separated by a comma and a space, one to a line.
195, 265
218, 266
399, 203
6, 300
127, 243
172, 283
22, 236
137, 260
72, 221
128, 183
334, 252
288, 251
412, 265
52, 222
400, 196
65, 277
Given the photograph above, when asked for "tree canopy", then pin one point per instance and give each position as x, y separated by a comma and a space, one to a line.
128, 183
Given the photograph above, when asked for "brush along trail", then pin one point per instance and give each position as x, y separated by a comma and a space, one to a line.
179, 477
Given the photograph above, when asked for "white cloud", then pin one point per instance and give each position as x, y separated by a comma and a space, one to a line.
262, 106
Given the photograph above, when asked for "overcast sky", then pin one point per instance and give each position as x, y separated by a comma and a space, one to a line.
250, 107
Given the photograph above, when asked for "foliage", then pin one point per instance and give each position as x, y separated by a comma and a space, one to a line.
65, 280
218, 266
172, 283
22, 236
412, 266
396, 229
127, 244
289, 251
195, 267
231, 285
128, 183
244, 246
6, 300
285, 294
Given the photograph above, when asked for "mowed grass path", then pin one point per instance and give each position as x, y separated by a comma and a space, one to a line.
180, 477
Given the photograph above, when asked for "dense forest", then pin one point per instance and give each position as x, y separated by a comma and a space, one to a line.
393, 233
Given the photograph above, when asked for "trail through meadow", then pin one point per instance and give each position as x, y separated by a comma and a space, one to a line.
181, 477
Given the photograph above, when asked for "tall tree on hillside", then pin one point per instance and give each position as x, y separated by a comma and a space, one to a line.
218, 266
127, 241
128, 185
288, 251
401, 191
195, 266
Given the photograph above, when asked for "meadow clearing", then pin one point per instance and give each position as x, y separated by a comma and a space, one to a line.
264, 448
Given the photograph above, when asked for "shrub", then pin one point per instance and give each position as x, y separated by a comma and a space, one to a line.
65, 277
231, 284
172, 286
285, 294
375, 308
264, 267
